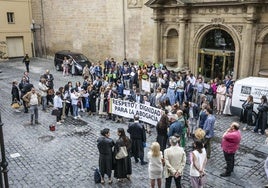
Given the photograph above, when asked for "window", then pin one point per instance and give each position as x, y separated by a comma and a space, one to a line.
10, 17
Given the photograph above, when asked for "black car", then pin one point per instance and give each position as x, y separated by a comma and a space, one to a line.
79, 59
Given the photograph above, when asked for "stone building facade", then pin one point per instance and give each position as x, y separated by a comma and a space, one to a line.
97, 28
211, 37
15, 28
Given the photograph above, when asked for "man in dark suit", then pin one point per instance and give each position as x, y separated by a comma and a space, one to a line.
189, 91
138, 138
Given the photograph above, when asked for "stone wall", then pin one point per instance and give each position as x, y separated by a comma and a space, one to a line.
96, 28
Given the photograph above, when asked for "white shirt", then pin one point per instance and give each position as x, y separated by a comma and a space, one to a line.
34, 99
200, 158
57, 102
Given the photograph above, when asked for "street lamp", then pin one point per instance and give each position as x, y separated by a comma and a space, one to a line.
4, 163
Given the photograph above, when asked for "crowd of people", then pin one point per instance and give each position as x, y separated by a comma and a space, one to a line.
187, 101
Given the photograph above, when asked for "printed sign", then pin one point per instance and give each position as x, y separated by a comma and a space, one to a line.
128, 109
145, 86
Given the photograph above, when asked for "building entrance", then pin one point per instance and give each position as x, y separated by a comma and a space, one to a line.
216, 55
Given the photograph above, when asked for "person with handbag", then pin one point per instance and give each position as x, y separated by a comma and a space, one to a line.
123, 168
57, 101
198, 164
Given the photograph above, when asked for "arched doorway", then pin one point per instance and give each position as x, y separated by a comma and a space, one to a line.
216, 54
172, 46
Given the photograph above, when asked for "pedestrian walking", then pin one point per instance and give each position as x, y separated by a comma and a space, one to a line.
155, 167
230, 144
33, 99
123, 168
105, 145
26, 61
175, 160
138, 139
209, 129
198, 165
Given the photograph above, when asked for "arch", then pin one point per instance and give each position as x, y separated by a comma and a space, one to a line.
170, 28
201, 33
260, 65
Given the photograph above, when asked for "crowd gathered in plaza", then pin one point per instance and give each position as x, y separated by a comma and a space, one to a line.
188, 103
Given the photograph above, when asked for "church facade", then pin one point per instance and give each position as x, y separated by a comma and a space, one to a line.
210, 37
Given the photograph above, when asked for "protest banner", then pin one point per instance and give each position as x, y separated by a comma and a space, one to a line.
128, 109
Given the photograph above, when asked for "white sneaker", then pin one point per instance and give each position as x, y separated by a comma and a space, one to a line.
75, 117
79, 116
59, 123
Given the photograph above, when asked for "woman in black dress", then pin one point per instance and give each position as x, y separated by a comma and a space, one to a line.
161, 129
123, 167
105, 145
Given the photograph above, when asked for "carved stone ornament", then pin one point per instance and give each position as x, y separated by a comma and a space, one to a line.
134, 3
260, 28
239, 29
217, 20
196, 28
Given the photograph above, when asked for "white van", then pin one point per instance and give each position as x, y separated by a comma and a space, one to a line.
255, 86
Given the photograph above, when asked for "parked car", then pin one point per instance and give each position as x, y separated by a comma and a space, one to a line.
79, 59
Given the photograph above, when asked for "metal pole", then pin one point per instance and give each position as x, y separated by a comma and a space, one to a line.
4, 163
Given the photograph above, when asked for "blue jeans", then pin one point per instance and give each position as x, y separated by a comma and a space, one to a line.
180, 96
75, 110
44, 102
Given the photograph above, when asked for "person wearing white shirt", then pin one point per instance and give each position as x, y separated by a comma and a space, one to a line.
198, 164
74, 98
43, 92
57, 101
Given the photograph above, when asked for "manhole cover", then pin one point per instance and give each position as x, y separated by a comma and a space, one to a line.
46, 138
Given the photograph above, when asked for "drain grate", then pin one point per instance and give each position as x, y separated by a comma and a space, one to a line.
46, 138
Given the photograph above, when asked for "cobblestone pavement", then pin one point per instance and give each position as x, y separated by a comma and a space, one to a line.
66, 157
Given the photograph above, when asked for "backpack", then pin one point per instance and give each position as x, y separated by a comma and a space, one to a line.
97, 175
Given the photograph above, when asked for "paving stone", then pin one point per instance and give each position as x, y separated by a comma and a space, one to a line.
65, 157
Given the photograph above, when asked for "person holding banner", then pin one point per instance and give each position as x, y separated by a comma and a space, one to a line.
138, 138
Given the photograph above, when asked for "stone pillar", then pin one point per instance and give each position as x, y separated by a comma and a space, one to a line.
246, 63
156, 41
181, 44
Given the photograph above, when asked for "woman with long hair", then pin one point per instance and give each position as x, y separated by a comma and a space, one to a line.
161, 129
198, 164
246, 114
262, 116
155, 167
123, 167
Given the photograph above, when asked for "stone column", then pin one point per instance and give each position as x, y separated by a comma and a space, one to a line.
246, 63
181, 43
156, 41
